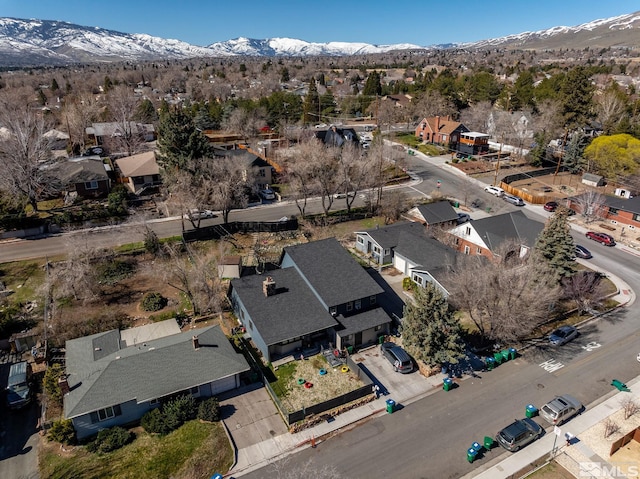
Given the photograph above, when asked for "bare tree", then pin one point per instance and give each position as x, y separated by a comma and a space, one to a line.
610, 427
591, 204
476, 116
355, 169
122, 108
584, 288
630, 407
224, 183
501, 297
24, 149
245, 122
394, 203
77, 114
610, 108
432, 103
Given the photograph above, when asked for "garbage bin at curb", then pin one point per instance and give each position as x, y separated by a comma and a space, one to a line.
471, 454
216, 476
505, 354
380, 339
498, 358
512, 353
391, 405
488, 442
490, 363
447, 384
531, 411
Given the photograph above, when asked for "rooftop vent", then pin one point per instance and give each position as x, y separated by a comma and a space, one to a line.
269, 286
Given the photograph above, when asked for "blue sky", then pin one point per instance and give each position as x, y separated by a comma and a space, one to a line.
203, 22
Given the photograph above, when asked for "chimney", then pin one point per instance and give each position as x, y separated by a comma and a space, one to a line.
196, 342
437, 124
63, 383
269, 286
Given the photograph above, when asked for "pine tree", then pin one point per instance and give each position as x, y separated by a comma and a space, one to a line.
311, 107
179, 141
430, 330
372, 86
554, 251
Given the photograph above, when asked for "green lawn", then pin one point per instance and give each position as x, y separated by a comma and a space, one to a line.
196, 450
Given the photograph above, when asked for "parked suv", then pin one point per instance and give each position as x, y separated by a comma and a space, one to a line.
494, 190
560, 409
514, 200
519, 433
398, 357
603, 238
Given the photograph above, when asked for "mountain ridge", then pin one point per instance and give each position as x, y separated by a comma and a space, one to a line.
36, 42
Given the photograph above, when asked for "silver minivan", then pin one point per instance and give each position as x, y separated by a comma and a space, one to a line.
18, 393
398, 357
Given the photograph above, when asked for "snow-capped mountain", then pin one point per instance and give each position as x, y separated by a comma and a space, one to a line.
44, 42
293, 47
620, 31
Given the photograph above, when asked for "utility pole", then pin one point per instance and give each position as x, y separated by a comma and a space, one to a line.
561, 156
495, 176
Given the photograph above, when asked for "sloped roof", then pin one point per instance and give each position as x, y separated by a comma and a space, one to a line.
113, 128
425, 251
332, 272
438, 212
444, 124
387, 236
242, 155
103, 372
291, 312
142, 164
495, 230
79, 170
362, 321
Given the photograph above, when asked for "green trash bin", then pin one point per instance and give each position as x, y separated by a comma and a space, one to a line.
488, 443
471, 454
350, 349
505, 355
391, 405
456, 204
447, 384
531, 411
512, 353
497, 358
490, 363
380, 339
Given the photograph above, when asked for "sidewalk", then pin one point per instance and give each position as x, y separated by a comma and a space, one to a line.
579, 452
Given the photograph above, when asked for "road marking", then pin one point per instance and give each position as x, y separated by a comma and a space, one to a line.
591, 346
551, 365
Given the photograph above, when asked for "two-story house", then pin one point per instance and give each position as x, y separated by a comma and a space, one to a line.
441, 130
319, 296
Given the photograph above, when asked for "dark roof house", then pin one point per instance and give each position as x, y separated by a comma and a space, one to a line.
437, 213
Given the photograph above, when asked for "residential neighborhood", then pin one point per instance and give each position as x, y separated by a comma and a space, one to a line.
234, 267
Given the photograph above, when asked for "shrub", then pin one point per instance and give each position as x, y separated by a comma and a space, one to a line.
110, 439
171, 416
50, 382
153, 301
114, 270
455, 160
209, 410
62, 431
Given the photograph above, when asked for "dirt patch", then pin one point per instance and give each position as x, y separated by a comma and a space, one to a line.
334, 382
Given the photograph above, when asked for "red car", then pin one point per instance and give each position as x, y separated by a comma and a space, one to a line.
550, 206
603, 238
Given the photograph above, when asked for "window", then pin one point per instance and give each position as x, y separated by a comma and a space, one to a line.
358, 304
613, 211
467, 250
467, 230
376, 249
250, 325
360, 240
91, 185
349, 305
373, 299
418, 279
262, 173
457, 241
154, 402
636, 217
378, 327
387, 251
332, 310
478, 250
106, 413
195, 391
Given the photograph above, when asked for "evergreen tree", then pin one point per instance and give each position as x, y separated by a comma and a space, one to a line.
523, 92
577, 97
311, 107
54, 85
538, 154
146, 112
431, 332
573, 158
179, 141
555, 250
372, 86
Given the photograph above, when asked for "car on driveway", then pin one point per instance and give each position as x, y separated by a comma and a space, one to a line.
560, 409
494, 190
563, 335
398, 357
551, 206
602, 238
519, 433
463, 218
514, 200
582, 252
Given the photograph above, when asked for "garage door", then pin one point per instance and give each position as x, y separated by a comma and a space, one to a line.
223, 385
400, 264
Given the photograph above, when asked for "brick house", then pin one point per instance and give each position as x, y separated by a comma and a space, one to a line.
441, 130
616, 210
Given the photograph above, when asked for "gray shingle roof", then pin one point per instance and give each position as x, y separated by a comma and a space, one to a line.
427, 252
438, 212
495, 230
114, 375
387, 236
79, 170
362, 321
292, 312
332, 272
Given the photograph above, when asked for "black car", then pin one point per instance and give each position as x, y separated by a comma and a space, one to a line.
519, 433
94, 150
398, 357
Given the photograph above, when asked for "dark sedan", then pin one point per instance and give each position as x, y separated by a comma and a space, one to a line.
582, 252
550, 206
563, 335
